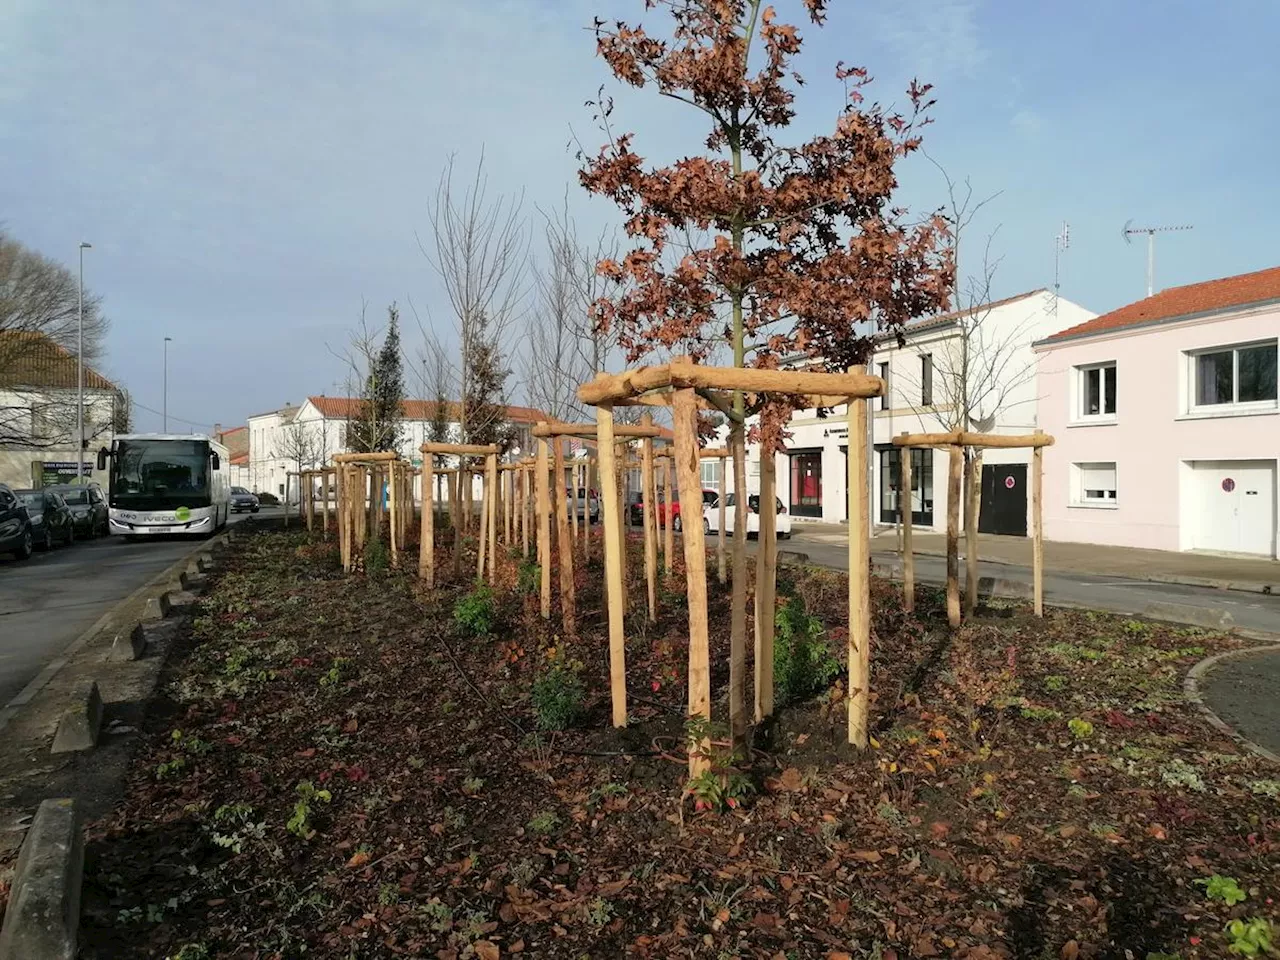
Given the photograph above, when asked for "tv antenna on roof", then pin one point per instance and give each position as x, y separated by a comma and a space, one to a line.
1060, 244
1151, 232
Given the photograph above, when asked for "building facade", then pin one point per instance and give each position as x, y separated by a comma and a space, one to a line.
1166, 421
926, 379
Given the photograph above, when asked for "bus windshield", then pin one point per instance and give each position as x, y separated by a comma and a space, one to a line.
160, 474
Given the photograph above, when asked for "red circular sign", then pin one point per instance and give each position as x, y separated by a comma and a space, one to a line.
1228, 484
1008, 482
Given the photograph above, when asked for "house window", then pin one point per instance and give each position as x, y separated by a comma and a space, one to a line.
1235, 376
1097, 390
883, 369
926, 379
1095, 484
710, 473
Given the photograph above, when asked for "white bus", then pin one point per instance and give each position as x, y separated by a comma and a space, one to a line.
163, 483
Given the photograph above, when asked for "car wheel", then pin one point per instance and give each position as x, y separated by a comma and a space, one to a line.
676, 525
24, 551
706, 525
48, 541
71, 535
255, 509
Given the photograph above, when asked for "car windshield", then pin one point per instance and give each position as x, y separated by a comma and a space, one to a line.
76, 498
240, 490
160, 474
34, 501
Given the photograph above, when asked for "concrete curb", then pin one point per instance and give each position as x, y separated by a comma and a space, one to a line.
1214, 618
1240, 586
1191, 689
43, 917
135, 648
81, 722
158, 607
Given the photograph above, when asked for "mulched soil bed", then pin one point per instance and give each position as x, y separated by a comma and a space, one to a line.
333, 769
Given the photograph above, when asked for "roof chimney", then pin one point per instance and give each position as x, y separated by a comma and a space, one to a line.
217, 429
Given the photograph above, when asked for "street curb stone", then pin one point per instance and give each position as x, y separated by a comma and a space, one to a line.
1216, 618
80, 723
43, 916
157, 607
1191, 689
134, 648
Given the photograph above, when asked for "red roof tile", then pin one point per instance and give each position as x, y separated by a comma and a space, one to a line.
1194, 298
342, 408
33, 360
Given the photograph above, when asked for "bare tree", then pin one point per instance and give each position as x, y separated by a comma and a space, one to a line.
299, 444
480, 252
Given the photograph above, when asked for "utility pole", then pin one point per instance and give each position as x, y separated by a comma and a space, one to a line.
1060, 244
165, 404
1151, 232
80, 368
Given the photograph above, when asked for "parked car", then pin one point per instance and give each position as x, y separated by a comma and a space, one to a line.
635, 508
708, 496
15, 525
270, 499
242, 500
51, 519
587, 502
88, 507
711, 516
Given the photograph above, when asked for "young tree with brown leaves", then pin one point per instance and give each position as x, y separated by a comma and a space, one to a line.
806, 256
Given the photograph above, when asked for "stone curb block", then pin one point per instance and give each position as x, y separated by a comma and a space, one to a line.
134, 648
1216, 618
158, 607
204, 563
191, 583
80, 723
792, 556
1001, 588
43, 917
1191, 689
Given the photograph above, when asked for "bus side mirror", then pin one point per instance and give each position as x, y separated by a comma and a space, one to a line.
217, 462
102, 458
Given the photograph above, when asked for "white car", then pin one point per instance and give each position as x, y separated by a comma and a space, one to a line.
711, 516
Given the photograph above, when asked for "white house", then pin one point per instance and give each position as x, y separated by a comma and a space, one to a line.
1166, 420
38, 388
309, 435
924, 386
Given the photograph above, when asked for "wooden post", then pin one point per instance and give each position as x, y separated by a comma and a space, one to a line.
324, 492
859, 577
766, 586
455, 518
508, 505
971, 507
524, 511
590, 480
721, 563
669, 541
560, 502
491, 480
684, 412
310, 504
339, 492
904, 508
286, 500
648, 517
544, 528
621, 464
427, 549
482, 530
612, 565
955, 469
1037, 528
574, 502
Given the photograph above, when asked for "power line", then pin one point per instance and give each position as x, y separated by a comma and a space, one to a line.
190, 423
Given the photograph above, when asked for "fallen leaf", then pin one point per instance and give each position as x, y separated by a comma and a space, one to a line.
867, 856
486, 950
790, 779
359, 859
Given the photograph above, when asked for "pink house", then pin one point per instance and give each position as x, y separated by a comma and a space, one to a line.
1166, 420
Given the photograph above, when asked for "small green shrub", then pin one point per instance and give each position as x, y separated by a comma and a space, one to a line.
544, 822
300, 823
1254, 937
474, 615
1055, 682
722, 784
1223, 889
1266, 788
803, 666
1080, 729
558, 694
1178, 773
377, 558
528, 577
1040, 713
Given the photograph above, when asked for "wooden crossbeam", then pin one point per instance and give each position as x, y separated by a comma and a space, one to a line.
461, 449
621, 431
685, 375
960, 438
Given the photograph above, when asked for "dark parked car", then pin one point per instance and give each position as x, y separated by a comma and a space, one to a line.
242, 500
270, 499
635, 508
88, 507
15, 525
51, 519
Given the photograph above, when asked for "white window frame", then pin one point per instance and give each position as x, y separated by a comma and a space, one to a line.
1233, 408
709, 473
1079, 393
1078, 498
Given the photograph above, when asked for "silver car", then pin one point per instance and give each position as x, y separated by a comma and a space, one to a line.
587, 503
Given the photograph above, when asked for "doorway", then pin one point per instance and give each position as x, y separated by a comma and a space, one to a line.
891, 482
1004, 499
1234, 506
806, 483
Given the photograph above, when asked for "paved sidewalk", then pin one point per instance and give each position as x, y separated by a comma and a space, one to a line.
1242, 692
1160, 566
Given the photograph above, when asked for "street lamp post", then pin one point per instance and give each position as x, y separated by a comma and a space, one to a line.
80, 367
165, 404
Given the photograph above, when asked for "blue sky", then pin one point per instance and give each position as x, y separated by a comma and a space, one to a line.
249, 173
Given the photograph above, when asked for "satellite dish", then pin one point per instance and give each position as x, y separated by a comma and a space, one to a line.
983, 424
1125, 231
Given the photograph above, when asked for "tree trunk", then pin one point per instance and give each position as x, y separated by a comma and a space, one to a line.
738, 598
973, 497
954, 471
766, 583
685, 415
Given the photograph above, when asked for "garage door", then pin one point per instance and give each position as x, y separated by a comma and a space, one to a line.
1235, 506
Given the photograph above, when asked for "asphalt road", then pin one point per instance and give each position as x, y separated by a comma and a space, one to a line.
1242, 691
1252, 611
47, 601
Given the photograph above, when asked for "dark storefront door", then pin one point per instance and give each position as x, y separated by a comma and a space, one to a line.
1004, 499
921, 484
806, 483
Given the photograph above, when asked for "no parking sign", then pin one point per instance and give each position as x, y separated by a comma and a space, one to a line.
1009, 483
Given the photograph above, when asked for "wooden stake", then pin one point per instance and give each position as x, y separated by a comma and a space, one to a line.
482, 530
904, 508
622, 507
738, 591
766, 587
508, 504
524, 511
324, 491
859, 578
455, 518
955, 469
684, 411
721, 565
491, 482
612, 565
544, 528
669, 541
1037, 528
393, 505
427, 549
574, 502
568, 612
971, 508
648, 517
